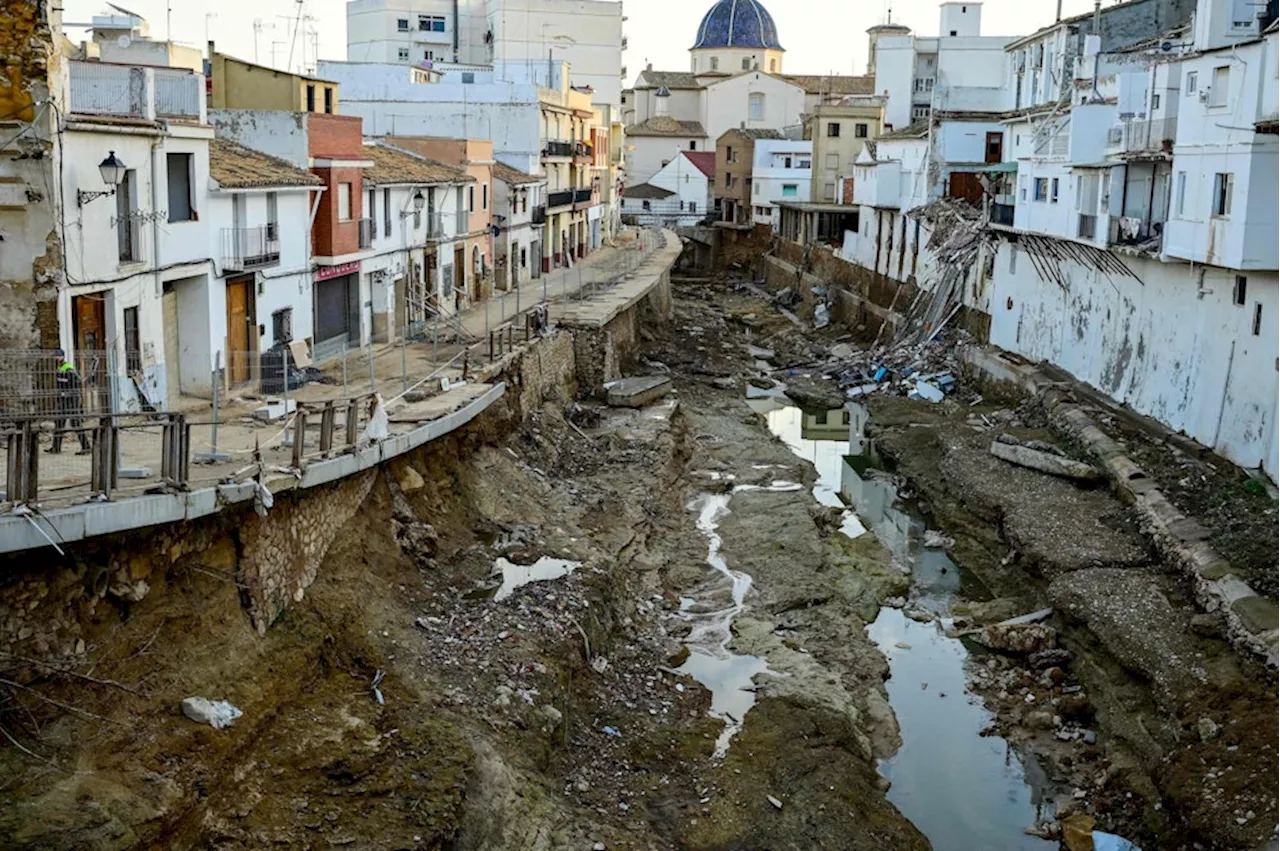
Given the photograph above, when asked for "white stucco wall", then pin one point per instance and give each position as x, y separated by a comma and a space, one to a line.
727, 103
645, 154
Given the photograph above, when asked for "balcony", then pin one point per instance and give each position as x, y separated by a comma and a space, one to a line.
1150, 137
581, 196
1135, 232
560, 199
435, 225
581, 150
368, 230
1087, 227
136, 92
558, 149
539, 215
246, 249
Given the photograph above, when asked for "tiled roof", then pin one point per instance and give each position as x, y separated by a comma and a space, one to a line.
704, 160
914, 130
394, 166
756, 132
650, 79
833, 84
738, 23
513, 176
665, 125
236, 167
646, 192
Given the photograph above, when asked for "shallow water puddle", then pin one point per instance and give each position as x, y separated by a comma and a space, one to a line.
962, 790
727, 675
516, 576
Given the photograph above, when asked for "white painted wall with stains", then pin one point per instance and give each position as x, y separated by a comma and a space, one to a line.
1185, 345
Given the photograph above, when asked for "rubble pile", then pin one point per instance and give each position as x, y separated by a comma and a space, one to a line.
926, 370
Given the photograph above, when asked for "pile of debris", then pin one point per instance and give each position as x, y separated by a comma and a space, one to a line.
926, 370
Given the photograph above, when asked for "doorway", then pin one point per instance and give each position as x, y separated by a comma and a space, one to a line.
460, 269
994, 151
173, 377
89, 320
241, 324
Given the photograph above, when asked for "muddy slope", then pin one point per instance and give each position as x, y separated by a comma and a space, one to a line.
550, 719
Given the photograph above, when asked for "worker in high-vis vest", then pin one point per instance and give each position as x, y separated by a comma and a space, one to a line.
70, 405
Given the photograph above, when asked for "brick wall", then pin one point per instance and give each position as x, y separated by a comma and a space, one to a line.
331, 136
331, 237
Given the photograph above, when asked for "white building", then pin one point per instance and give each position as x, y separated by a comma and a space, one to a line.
152, 234
587, 34
520, 218
780, 171
679, 195
736, 81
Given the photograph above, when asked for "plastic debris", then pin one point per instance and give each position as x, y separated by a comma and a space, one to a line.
612, 731
373, 687
928, 392
880, 374
379, 426
776, 803
1111, 842
218, 714
821, 316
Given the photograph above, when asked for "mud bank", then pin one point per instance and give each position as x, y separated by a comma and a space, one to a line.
412, 699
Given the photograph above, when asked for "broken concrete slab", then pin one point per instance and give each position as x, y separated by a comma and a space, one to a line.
815, 395
1034, 459
275, 409
636, 392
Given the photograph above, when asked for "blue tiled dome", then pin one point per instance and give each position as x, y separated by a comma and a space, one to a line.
738, 23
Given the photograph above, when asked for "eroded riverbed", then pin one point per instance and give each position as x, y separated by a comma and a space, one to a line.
962, 789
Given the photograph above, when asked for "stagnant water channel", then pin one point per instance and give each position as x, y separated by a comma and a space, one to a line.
962, 790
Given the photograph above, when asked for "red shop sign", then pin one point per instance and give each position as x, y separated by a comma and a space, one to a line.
324, 273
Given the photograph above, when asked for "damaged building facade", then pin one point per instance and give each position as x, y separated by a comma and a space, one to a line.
1107, 205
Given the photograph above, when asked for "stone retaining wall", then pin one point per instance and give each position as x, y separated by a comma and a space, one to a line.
1252, 621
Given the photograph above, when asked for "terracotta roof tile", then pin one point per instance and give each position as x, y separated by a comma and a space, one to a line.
236, 167
670, 79
704, 160
833, 84
391, 166
665, 125
514, 176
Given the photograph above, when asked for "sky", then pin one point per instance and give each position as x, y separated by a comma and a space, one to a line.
820, 36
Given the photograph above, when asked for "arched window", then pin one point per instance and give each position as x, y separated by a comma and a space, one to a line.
773, 65
755, 106
715, 63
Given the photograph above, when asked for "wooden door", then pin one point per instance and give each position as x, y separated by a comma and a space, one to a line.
994, 152
460, 269
90, 322
173, 378
239, 325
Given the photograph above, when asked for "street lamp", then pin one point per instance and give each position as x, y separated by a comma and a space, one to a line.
419, 201
112, 171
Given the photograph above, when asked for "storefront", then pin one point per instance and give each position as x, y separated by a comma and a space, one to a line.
337, 306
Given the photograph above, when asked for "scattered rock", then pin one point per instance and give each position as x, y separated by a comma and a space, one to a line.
935, 540
1040, 720
218, 714
1206, 625
814, 395
1054, 658
410, 480
1018, 638
1208, 729
776, 803
841, 351
1075, 707
1077, 832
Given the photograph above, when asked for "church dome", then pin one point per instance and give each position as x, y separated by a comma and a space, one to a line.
737, 23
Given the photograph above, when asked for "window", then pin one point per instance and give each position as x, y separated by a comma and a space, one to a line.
859, 131
1053, 191
715, 63
805, 164
282, 325
645, 205
524, 258
132, 341
1241, 284
430, 23
179, 171
1155, 101
1222, 194
328, 101
833, 129
126, 207
728, 181
311, 97
755, 106
1180, 199
1221, 83
1041, 189
386, 212
1191, 82
1022, 188
693, 206
953, 32
728, 154
1257, 318
786, 162
402, 24
790, 190
833, 161
403, 54
273, 216
746, 64
471, 199
773, 65
344, 202
484, 197
467, 76
829, 192
755, 190
693, 144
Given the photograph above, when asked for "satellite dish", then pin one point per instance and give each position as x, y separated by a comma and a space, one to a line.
1166, 46
124, 41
